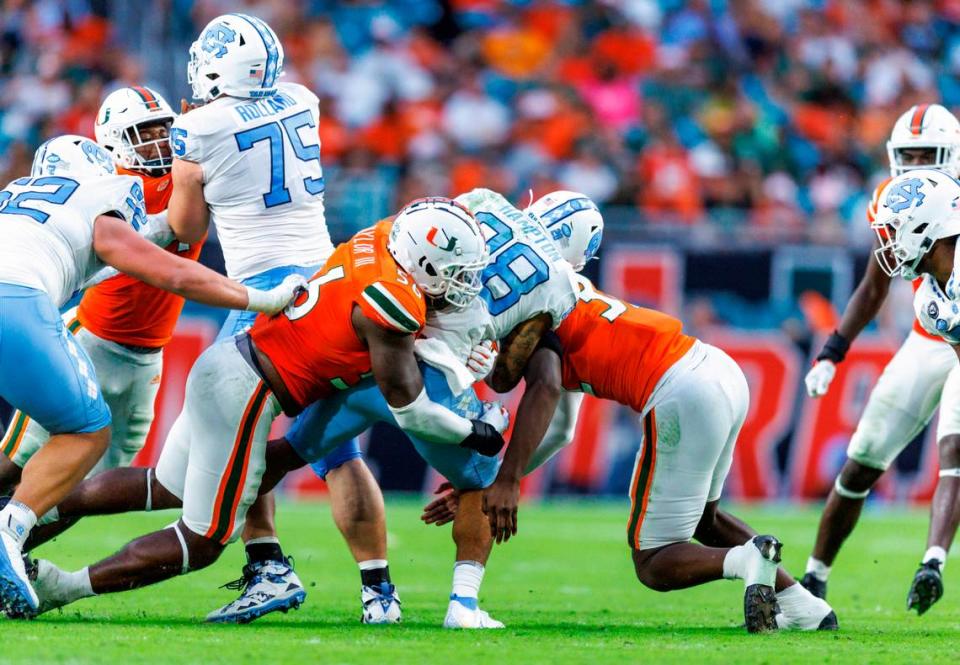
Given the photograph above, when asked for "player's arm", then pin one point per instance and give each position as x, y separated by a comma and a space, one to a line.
188, 214
534, 413
561, 430
515, 351
863, 307
118, 245
398, 376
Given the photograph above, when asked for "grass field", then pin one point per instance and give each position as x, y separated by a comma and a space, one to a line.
565, 588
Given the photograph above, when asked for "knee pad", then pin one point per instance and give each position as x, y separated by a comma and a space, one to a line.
849, 494
949, 473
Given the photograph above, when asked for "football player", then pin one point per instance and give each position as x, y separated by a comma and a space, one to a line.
62, 224
248, 160
359, 316
122, 323
921, 375
691, 399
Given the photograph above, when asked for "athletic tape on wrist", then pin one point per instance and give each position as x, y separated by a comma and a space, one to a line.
849, 494
949, 473
185, 566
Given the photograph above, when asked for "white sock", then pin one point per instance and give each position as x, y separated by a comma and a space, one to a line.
49, 517
733, 563
792, 597
78, 584
16, 520
372, 564
467, 577
819, 569
937, 553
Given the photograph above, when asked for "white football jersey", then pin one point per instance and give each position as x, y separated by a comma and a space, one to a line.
46, 228
526, 277
262, 177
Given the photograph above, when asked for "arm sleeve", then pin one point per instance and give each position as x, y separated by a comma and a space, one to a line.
393, 306
427, 420
561, 430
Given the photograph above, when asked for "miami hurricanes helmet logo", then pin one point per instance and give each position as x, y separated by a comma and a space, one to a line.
432, 239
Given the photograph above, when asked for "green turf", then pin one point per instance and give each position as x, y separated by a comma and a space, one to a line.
565, 588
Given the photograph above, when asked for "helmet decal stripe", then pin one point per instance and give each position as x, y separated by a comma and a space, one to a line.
271, 71
916, 120
148, 97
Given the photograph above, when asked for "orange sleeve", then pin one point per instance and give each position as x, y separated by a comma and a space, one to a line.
394, 306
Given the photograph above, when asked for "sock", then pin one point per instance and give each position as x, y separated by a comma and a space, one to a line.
937, 553
263, 549
49, 517
78, 584
374, 572
733, 563
819, 569
16, 520
800, 609
467, 577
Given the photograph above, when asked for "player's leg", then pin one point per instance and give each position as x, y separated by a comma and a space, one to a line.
899, 407
36, 342
222, 479
927, 585
321, 426
469, 472
687, 447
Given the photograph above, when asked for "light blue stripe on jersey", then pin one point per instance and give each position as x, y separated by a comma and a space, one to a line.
270, 72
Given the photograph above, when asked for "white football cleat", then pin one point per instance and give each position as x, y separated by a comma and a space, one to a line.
17, 595
53, 587
461, 616
380, 605
266, 586
801, 610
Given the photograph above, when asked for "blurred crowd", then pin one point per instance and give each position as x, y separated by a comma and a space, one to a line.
759, 117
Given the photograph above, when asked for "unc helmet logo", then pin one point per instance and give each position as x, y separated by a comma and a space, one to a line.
215, 40
906, 194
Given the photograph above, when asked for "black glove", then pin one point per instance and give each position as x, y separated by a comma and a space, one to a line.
485, 439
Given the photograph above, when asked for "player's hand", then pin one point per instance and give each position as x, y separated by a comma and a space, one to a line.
500, 502
443, 509
276, 299
819, 377
495, 414
483, 357
186, 107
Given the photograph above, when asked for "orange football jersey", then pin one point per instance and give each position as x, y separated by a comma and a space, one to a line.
616, 350
872, 215
313, 345
127, 311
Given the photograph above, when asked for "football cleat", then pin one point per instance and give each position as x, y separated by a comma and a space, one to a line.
927, 587
812, 583
47, 579
16, 593
266, 586
759, 600
462, 616
381, 605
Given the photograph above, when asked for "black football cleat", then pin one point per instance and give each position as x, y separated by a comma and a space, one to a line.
927, 587
812, 583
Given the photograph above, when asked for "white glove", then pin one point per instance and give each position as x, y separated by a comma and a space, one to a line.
496, 415
819, 377
483, 357
275, 299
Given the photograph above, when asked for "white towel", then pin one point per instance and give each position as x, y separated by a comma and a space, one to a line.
437, 354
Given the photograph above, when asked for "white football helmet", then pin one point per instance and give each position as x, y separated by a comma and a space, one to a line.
236, 55
574, 223
441, 245
71, 155
926, 126
916, 209
117, 129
